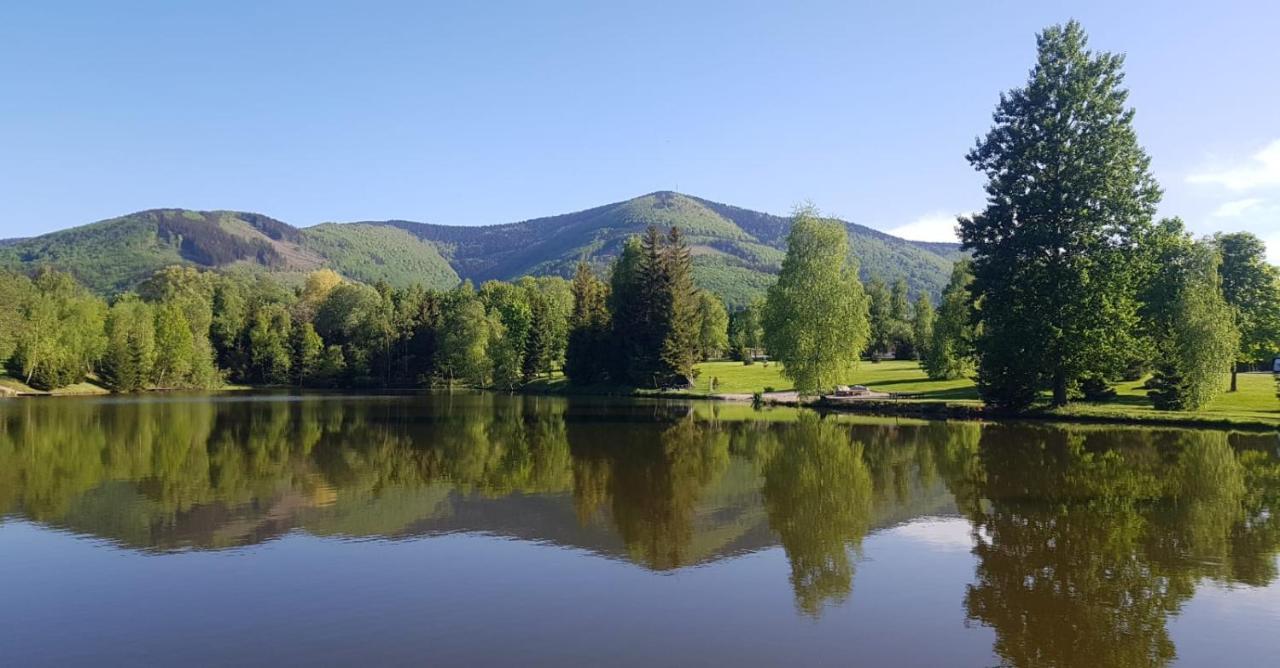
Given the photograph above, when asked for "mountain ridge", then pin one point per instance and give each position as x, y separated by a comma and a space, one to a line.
736, 251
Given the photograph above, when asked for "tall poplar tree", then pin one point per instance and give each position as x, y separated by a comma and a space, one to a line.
1069, 193
815, 317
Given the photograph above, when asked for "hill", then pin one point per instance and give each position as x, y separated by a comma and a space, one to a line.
114, 255
736, 251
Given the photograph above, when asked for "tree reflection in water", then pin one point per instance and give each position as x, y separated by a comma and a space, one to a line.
1087, 539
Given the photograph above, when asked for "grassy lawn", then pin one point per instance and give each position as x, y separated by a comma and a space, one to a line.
903, 377
1255, 402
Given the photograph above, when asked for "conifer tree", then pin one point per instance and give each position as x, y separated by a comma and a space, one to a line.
682, 328
1069, 194
131, 346
588, 357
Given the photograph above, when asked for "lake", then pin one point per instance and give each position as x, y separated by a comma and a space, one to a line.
465, 529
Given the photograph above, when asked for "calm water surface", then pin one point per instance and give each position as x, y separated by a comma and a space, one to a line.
481, 529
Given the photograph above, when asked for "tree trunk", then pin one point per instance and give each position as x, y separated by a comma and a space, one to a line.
1235, 368
1059, 389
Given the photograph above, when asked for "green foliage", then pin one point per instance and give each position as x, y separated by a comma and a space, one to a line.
587, 359
815, 318
713, 329
308, 355
61, 333
128, 362
736, 252
1191, 325
949, 354
1250, 286
1069, 194
371, 253
462, 355
746, 332
680, 346
15, 291
654, 312
271, 352
922, 326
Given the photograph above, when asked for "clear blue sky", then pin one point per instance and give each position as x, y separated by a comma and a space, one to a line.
486, 112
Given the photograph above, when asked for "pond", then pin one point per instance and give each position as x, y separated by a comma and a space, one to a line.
464, 529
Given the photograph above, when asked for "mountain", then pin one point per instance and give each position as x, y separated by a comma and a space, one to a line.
114, 255
736, 251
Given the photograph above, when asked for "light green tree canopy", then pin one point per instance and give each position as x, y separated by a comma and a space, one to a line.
815, 317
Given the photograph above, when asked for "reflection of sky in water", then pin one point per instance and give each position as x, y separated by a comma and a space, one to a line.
945, 534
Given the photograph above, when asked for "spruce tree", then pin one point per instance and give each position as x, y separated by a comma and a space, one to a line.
1069, 193
680, 345
589, 356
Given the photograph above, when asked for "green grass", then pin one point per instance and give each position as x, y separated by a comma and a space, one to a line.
11, 385
1254, 403
898, 377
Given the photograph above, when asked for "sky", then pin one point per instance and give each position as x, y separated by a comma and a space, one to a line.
488, 112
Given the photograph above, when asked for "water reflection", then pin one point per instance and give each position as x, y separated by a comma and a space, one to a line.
1086, 539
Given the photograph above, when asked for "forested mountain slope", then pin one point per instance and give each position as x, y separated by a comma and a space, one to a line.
736, 251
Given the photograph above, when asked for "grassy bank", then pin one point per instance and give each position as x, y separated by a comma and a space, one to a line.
10, 386
1255, 403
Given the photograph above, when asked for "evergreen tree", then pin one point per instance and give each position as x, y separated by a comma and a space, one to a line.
538, 346
880, 318
680, 349
130, 354
629, 314
1069, 193
815, 317
587, 359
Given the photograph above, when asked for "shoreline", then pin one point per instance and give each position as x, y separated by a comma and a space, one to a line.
903, 406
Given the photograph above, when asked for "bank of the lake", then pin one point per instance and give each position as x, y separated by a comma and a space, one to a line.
904, 390
1253, 406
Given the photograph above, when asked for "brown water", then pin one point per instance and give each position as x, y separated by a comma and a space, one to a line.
480, 529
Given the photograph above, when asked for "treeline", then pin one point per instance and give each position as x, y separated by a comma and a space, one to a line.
188, 328
1071, 287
